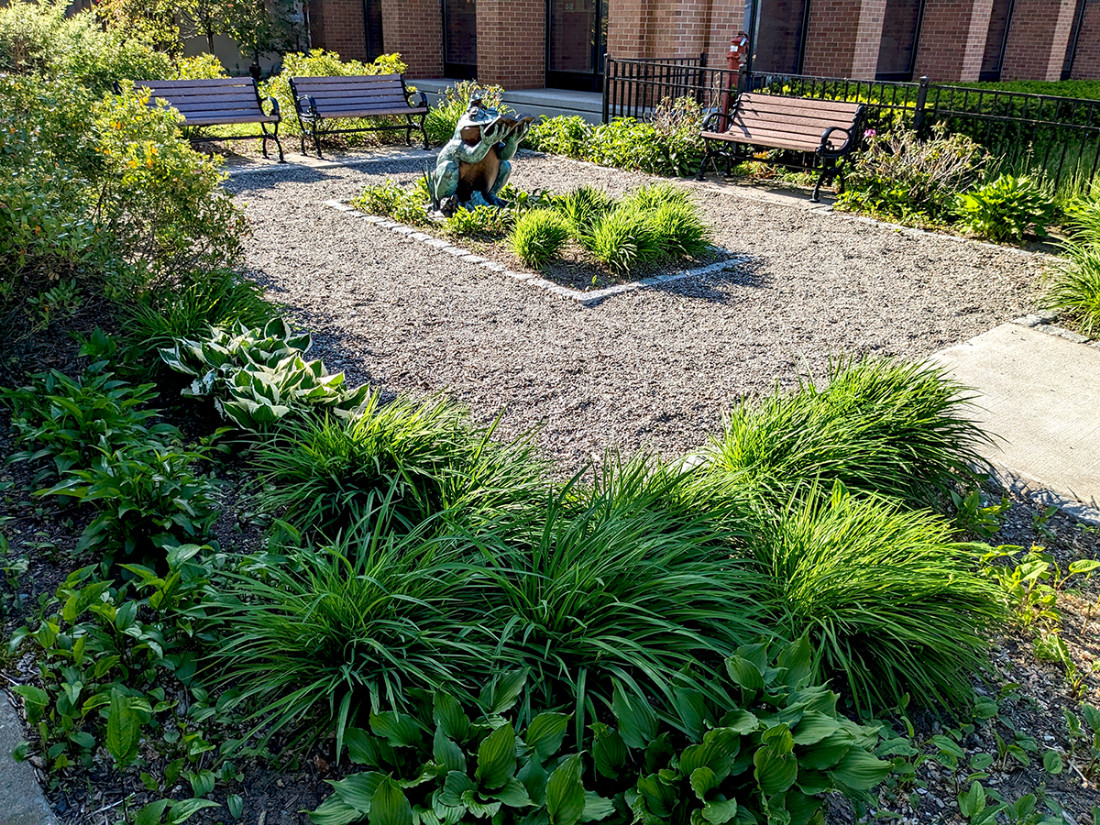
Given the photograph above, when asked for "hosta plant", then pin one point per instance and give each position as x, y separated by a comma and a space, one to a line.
769, 757
1006, 208
257, 377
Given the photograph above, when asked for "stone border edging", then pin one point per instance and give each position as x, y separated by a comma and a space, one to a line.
1043, 321
587, 299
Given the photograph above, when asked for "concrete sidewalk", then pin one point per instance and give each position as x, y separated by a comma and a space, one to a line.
1040, 394
21, 800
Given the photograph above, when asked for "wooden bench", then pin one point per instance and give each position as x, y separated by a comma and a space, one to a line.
217, 101
321, 99
823, 132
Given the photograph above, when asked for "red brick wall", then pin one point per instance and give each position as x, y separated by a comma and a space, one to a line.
673, 28
843, 38
952, 39
511, 43
414, 28
1037, 39
1086, 63
337, 26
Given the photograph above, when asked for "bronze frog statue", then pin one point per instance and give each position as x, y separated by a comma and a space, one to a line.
477, 161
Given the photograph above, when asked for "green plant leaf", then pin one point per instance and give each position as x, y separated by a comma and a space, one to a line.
596, 807
447, 754
1052, 762
151, 814
398, 729
363, 748
703, 781
744, 673
972, 801
565, 798
450, 717
637, 721
545, 733
186, 808
123, 729
514, 795
356, 791
608, 751
496, 758
860, 770
35, 701
389, 806
235, 803
720, 811
776, 771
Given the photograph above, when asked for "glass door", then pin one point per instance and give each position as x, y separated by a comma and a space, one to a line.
576, 33
460, 39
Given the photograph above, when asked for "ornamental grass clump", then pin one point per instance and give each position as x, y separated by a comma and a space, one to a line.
624, 239
1073, 287
879, 426
582, 209
890, 603
425, 456
538, 237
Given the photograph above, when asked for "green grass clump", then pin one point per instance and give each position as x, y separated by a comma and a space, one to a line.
395, 201
890, 603
582, 209
538, 236
680, 230
1074, 286
425, 456
878, 426
657, 195
219, 298
624, 238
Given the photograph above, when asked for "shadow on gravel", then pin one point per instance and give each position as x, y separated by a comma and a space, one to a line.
715, 289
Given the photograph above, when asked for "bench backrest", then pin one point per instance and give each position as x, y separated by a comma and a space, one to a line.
210, 97
359, 92
792, 122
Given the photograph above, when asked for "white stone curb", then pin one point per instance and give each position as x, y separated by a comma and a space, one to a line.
587, 299
1043, 321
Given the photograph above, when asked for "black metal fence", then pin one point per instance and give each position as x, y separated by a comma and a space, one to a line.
1056, 136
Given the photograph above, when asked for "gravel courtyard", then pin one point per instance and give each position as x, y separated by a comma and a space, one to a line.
652, 368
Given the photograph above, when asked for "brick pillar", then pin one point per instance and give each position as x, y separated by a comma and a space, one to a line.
511, 43
337, 26
843, 38
1086, 63
726, 20
1038, 36
952, 39
414, 29
626, 28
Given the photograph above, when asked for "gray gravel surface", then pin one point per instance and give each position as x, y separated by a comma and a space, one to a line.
650, 369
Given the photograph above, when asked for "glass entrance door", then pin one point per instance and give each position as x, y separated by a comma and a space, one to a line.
576, 32
460, 39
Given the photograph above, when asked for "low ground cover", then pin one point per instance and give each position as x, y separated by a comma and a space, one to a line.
582, 238
224, 562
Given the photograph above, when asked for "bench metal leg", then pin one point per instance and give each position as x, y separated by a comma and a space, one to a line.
702, 175
317, 139
273, 136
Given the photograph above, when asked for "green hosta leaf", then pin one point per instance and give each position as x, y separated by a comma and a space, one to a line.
703, 781
545, 733
978, 762
186, 808
1091, 715
123, 729
365, 749
478, 808
534, 776
35, 701
776, 770
814, 727
447, 754
514, 795
720, 811
235, 804
596, 807
450, 717
828, 752
565, 799
691, 707
637, 721
356, 791
744, 673
389, 806
798, 659
503, 692
740, 721
608, 751
659, 798
860, 770
972, 802
454, 786
496, 758
398, 729
151, 814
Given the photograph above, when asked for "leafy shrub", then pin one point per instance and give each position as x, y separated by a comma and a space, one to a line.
484, 221
1004, 209
319, 63
424, 457
890, 604
1073, 287
878, 426
188, 308
644, 769
72, 421
563, 135
901, 176
40, 38
395, 201
110, 659
197, 67
147, 498
625, 238
538, 236
443, 117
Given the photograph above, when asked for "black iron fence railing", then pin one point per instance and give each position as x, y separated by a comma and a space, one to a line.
1056, 136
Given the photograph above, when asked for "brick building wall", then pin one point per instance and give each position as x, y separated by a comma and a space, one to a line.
843, 38
952, 39
414, 28
511, 43
673, 28
1037, 39
337, 26
1086, 64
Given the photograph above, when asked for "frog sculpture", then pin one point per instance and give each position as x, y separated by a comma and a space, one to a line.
476, 163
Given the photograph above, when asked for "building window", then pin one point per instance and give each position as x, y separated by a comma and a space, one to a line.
460, 38
995, 40
780, 36
897, 50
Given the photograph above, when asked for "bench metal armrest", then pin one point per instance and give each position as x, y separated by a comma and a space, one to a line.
710, 117
844, 147
306, 106
410, 93
275, 109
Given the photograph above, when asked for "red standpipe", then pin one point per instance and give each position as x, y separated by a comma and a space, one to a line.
735, 58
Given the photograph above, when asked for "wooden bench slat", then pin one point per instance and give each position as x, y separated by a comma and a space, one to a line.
782, 102
335, 113
216, 120
347, 80
821, 122
362, 104
810, 135
199, 104
770, 143
350, 94
750, 123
